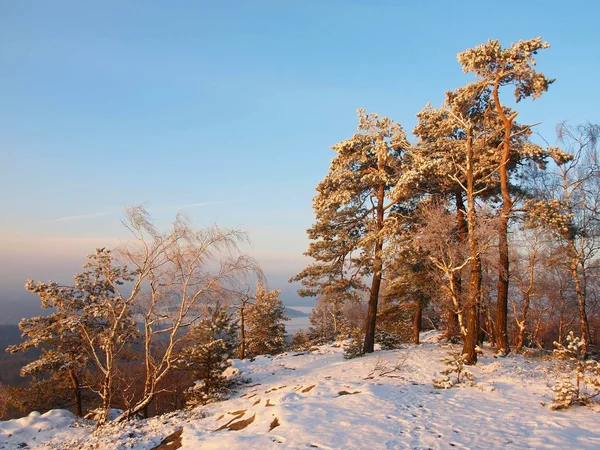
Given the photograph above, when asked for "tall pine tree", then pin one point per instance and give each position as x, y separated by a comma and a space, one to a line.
496, 67
354, 213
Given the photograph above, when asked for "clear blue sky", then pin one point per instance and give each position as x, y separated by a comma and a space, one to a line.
229, 106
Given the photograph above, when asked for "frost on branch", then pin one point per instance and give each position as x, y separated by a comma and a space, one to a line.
512, 65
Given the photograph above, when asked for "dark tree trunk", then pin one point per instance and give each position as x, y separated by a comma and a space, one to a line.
242, 334
472, 337
417, 322
502, 345
469, 350
369, 344
76, 392
487, 324
452, 325
503, 262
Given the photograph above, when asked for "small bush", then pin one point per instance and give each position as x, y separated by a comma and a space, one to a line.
455, 373
354, 348
387, 341
580, 382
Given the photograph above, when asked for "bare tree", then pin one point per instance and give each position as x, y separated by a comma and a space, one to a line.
572, 215
527, 259
441, 241
181, 271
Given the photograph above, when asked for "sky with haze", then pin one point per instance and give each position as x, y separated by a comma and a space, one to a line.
226, 110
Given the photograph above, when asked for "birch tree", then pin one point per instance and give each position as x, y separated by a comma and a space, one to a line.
572, 214
527, 259
182, 271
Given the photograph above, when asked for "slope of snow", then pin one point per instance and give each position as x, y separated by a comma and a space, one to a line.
319, 400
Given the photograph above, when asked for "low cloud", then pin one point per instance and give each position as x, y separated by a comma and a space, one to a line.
81, 217
218, 202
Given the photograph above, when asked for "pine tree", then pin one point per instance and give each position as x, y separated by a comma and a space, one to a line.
93, 322
496, 67
462, 117
354, 209
213, 343
265, 323
63, 354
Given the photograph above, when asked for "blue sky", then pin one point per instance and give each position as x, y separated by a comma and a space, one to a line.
230, 107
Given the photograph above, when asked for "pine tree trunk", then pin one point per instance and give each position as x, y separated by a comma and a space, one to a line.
472, 337
452, 325
503, 262
469, 350
417, 322
369, 345
76, 392
502, 345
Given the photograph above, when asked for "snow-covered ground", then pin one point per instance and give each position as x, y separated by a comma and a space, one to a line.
319, 400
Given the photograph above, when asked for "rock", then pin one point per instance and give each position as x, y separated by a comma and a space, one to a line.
171, 442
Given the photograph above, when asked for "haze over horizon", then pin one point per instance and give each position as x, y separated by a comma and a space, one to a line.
227, 112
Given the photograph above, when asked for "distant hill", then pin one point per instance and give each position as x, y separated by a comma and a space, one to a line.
10, 364
9, 335
293, 313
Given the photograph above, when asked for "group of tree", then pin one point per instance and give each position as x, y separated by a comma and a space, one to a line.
474, 226
159, 313
493, 235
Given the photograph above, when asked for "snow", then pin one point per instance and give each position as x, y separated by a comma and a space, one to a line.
36, 429
322, 401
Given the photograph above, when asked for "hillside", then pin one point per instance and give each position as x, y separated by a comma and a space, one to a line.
317, 399
294, 313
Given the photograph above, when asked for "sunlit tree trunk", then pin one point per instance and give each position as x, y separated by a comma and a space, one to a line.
417, 322
502, 344
369, 345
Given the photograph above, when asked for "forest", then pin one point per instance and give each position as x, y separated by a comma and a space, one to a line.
479, 229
